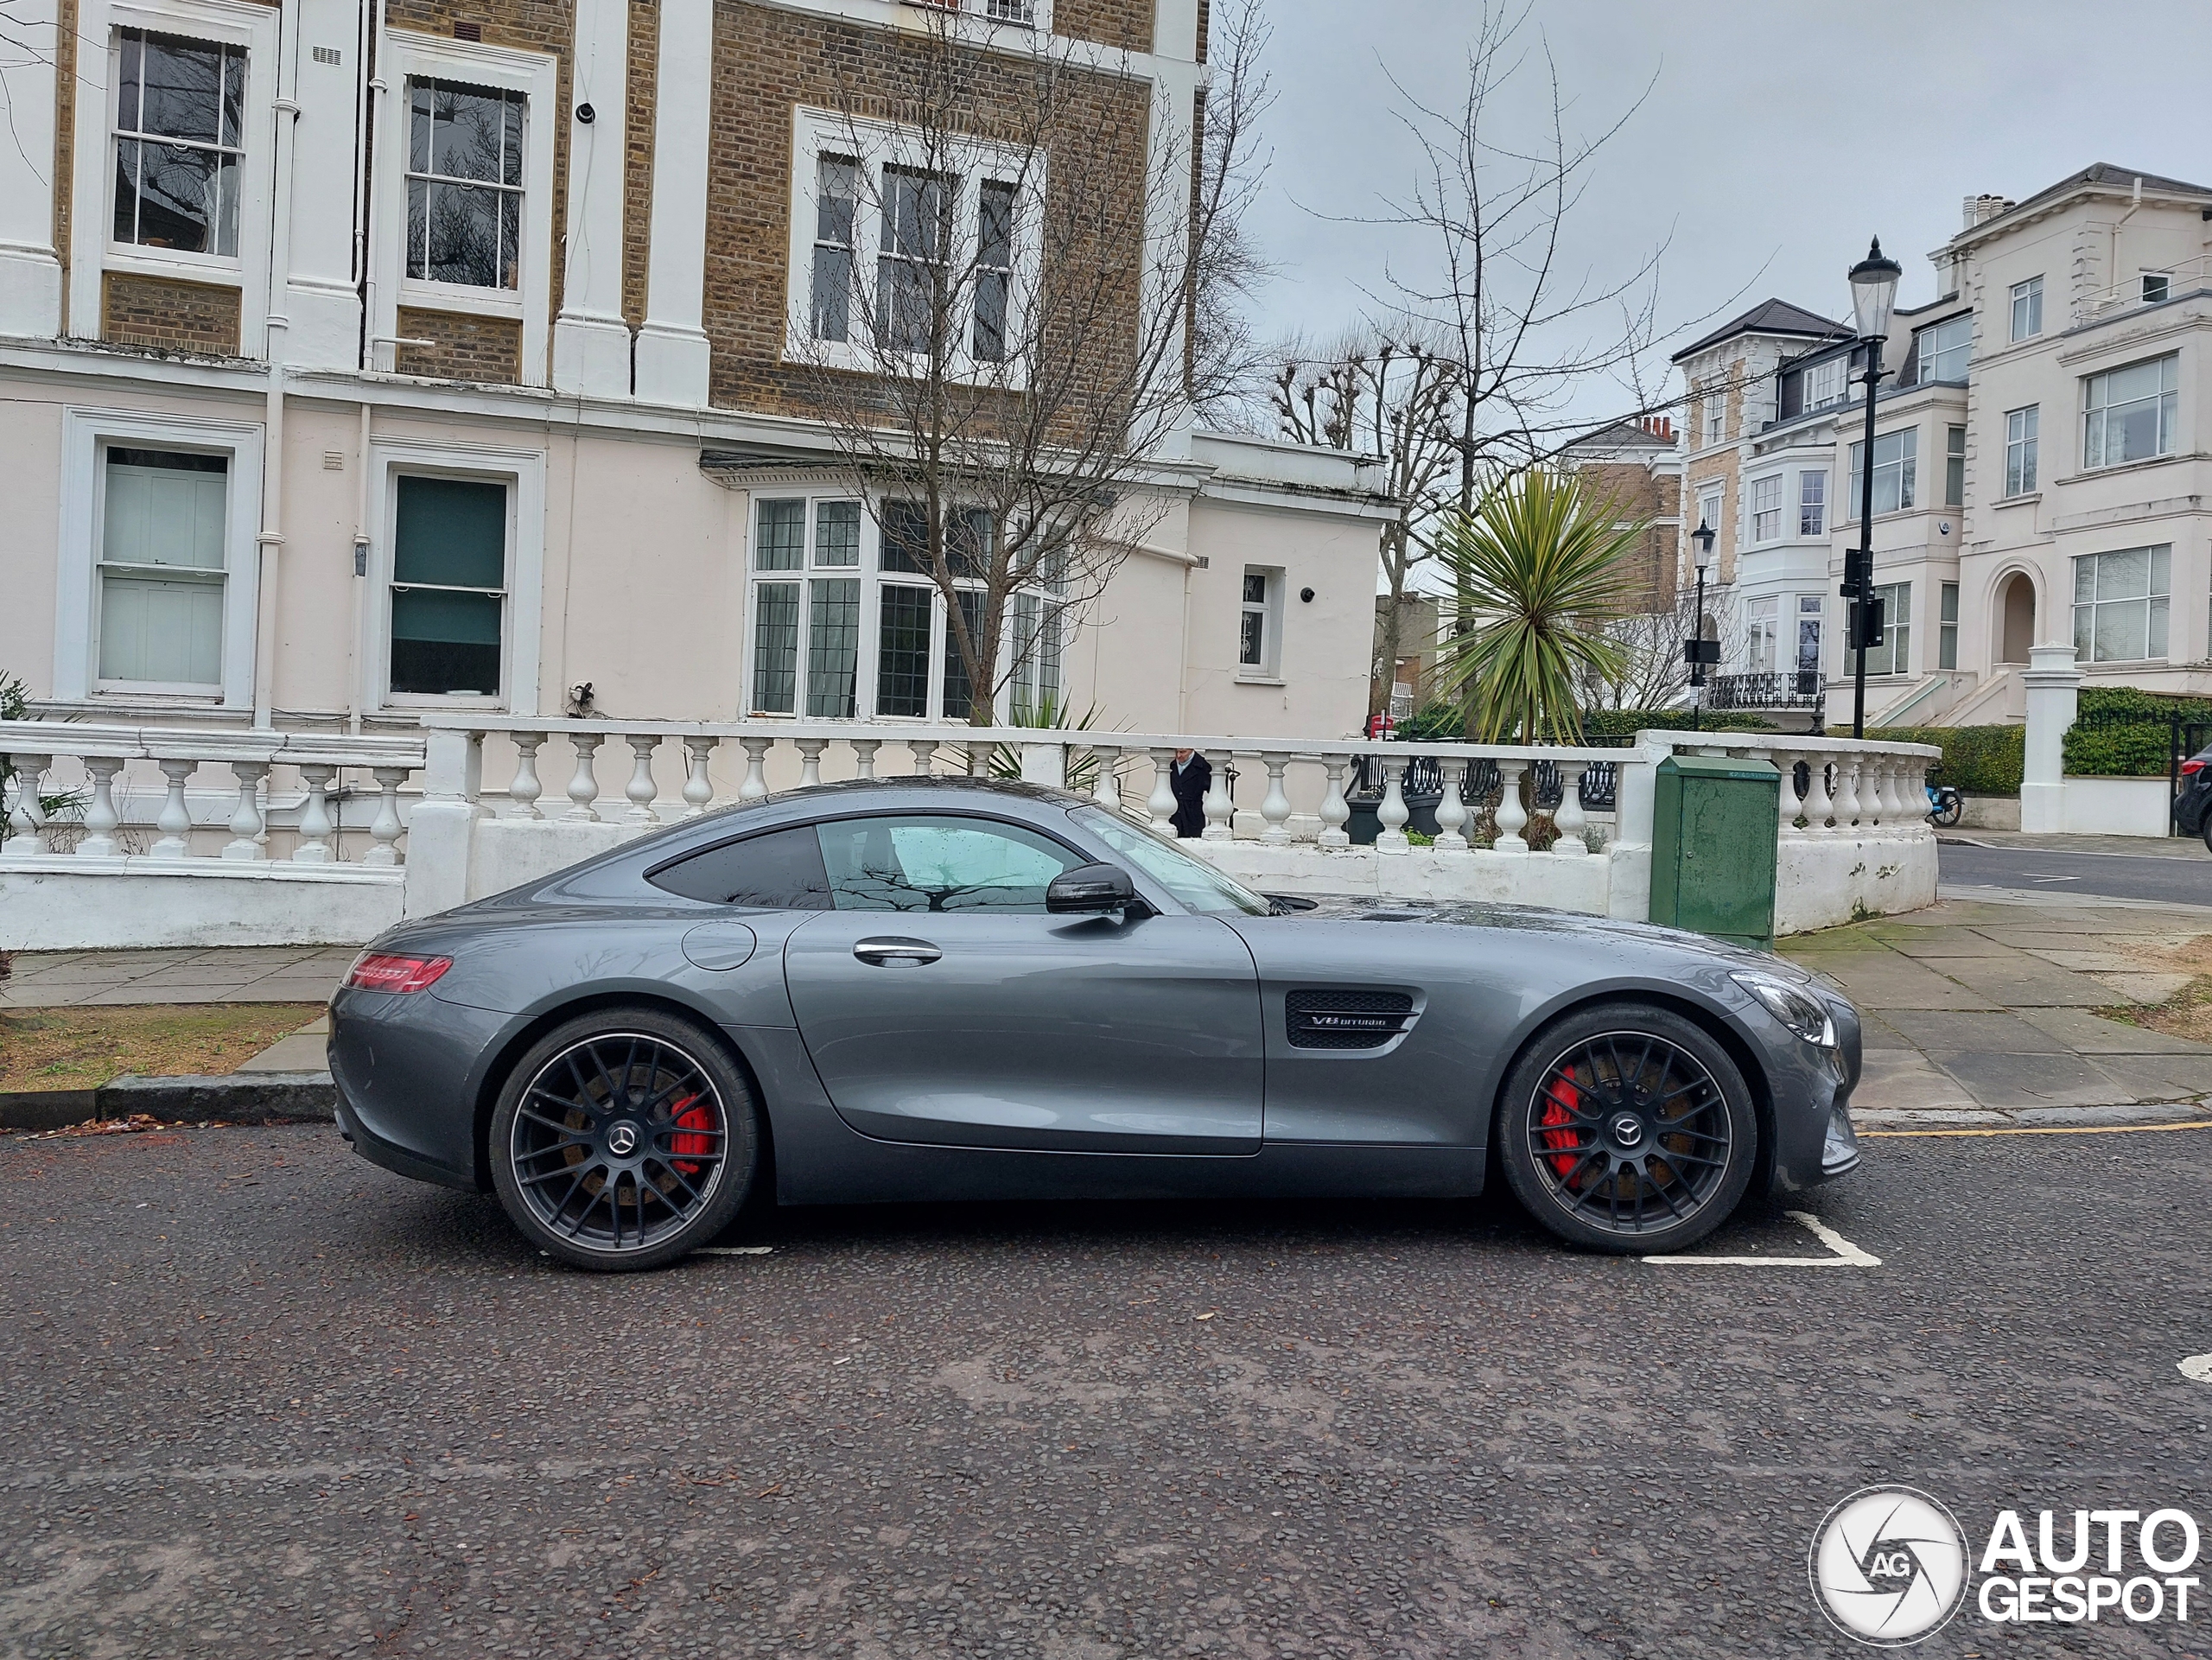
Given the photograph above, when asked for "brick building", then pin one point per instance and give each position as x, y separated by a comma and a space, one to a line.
365, 358
1634, 466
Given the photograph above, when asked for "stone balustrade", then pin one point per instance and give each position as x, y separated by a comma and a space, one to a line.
502, 800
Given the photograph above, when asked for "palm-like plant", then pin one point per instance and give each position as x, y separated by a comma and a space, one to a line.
1542, 566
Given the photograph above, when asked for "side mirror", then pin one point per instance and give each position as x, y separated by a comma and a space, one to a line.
1090, 888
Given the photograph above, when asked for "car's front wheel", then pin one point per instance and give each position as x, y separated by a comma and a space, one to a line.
624, 1139
1626, 1127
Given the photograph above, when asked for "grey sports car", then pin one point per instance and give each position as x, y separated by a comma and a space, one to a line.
942, 989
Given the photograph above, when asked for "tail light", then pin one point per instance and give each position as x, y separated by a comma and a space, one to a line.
388, 972
2194, 764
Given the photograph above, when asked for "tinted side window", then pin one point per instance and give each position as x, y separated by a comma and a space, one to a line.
940, 864
780, 871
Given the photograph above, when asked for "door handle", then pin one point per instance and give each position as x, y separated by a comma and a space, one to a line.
896, 953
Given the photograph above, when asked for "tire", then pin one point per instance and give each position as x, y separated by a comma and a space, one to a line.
2208, 832
1949, 809
630, 1189
1652, 1170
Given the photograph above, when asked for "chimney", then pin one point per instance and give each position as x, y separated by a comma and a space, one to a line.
1978, 208
1661, 427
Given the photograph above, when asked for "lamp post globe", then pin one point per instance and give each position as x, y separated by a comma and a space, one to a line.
1874, 292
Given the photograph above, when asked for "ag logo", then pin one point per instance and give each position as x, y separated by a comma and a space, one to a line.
1889, 1566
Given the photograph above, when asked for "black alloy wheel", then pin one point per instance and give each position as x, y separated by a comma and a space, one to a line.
1626, 1127
623, 1139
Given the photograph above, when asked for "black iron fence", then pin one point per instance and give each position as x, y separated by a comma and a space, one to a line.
1782, 688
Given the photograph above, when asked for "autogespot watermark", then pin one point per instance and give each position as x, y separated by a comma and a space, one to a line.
1891, 1565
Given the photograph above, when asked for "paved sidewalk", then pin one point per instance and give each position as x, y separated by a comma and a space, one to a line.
1981, 1012
248, 974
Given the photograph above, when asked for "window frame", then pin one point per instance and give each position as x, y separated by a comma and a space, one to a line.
872, 146
1907, 464
1269, 608
1768, 483
93, 253
1947, 626
523, 471
1954, 465
1816, 505
414, 57
2099, 415
2157, 602
498, 187
869, 571
1896, 630
2023, 441
86, 434
1922, 375
2028, 293
118, 135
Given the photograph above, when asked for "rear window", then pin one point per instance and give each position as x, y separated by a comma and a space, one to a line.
781, 871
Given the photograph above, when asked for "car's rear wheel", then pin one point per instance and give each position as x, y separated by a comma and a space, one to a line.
1626, 1127
624, 1139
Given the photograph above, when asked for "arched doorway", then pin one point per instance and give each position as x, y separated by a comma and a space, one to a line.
2016, 614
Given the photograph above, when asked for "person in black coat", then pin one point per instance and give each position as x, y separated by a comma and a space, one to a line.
1190, 777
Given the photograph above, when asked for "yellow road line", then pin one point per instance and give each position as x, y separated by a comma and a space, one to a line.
2039, 1129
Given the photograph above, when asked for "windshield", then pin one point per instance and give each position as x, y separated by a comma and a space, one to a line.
1194, 882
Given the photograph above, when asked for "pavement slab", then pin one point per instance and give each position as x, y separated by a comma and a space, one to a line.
1893, 982
2004, 1079
1998, 1032
1892, 1080
2148, 989
2160, 1078
2025, 982
2088, 1035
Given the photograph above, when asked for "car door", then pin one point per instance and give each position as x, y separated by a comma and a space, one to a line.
942, 1004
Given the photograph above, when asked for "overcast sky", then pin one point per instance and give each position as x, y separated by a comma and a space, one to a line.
1776, 134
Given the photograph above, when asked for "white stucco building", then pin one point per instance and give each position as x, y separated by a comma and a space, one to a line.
2042, 463
360, 360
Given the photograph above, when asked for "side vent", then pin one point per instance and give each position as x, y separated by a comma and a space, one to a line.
1346, 1019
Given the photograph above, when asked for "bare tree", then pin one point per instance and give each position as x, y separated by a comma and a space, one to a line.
1392, 398
1651, 673
1228, 362
1008, 257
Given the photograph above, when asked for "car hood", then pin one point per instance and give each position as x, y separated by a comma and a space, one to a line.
1530, 919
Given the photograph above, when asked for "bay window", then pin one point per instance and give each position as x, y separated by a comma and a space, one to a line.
844, 622
1940, 350
1766, 508
1812, 504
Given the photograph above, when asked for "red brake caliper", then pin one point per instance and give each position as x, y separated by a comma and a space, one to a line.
697, 1118
1561, 1099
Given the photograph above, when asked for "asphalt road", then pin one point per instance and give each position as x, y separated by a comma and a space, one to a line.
2169, 878
261, 1398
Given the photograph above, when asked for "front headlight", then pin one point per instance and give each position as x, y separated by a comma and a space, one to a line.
1799, 1010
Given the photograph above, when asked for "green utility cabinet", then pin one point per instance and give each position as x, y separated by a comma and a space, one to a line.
1712, 846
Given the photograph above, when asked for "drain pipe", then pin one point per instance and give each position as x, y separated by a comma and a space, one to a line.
360, 574
268, 544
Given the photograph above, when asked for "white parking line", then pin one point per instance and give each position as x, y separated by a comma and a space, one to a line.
2196, 1366
1846, 1254
733, 1250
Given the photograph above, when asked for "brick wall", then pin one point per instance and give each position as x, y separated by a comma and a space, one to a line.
547, 26
1631, 491
1123, 23
637, 159
465, 348
768, 61
168, 315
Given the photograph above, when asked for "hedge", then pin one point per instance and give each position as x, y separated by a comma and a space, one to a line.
1977, 760
2120, 732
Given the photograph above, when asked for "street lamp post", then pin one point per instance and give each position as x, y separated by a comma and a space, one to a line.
1873, 293
1698, 650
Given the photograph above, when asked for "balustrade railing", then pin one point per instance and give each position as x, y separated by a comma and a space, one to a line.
63, 797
